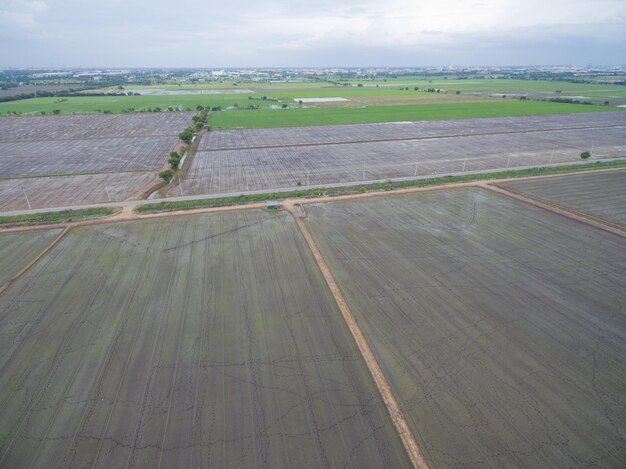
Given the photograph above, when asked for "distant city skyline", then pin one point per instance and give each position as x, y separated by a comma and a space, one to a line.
279, 33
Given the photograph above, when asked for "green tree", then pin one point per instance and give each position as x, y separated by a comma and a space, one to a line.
585, 154
186, 135
174, 161
166, 175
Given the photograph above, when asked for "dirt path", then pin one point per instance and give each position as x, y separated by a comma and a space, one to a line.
191, 153
25, 269
566, 212
383, 386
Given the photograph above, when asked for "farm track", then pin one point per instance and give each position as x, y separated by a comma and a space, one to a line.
146, 405
383, 386
128, 209
34, 261
560, 210
602, 196
436, 325
305, 393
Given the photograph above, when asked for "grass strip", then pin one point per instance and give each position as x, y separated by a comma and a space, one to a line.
63, 216
380, 186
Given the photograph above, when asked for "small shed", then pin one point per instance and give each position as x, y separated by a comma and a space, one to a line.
272, 204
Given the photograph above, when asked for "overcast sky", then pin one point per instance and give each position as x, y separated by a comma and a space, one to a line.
246, 33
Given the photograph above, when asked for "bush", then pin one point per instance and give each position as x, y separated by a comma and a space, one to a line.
166, 175
585, 154
174, 161
186, 135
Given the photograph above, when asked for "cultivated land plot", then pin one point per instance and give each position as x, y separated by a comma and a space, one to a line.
18, 249
601, 195
80, 189
499, 325
36, 128
59, 157
289, 136
378, 151
211, 341
59, 145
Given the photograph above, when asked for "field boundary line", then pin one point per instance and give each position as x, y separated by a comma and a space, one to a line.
407, 139
25, 269
559, 210
393, 408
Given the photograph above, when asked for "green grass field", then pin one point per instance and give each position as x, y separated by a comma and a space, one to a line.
483, 85
393, 84
377, 101
329, 116
115, 104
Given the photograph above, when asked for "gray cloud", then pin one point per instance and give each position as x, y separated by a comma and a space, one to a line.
205, 33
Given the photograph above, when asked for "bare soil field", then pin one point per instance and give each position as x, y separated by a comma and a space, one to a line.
37, 128
499, 325
61, 157
292, 136
18, 249
602, 195
76, 160
61, 145
270, 167
80, 189
211, 341
27, 89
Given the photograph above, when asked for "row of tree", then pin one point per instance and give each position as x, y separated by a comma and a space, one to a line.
197, 123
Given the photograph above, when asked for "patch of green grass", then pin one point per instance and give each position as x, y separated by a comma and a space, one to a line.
116, 104
390, 90
330, 116
56, 217
389, 185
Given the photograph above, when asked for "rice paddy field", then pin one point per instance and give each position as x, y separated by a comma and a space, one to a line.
244, 118
602, 195
198, 341
79, 189
49, 161
60, 145
499, 325
265, 159
18, 249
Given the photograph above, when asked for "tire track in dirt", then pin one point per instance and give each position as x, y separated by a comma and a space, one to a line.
408, 440
104, 369
70, 381
148, 388
44, 383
